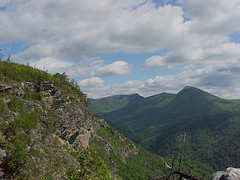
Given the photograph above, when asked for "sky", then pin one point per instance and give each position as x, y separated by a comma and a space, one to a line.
128, 46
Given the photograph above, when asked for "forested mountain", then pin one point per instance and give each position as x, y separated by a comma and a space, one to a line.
157, 123
48, 132
112, 103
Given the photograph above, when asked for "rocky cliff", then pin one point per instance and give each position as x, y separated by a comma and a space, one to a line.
64, 124
63, 121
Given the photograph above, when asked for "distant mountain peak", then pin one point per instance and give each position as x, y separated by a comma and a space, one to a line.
191, 90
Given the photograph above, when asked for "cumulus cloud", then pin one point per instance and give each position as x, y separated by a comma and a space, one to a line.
81, 28
214, 16
93, 82
225, 54
85, 67
51, 64
210, 79
116, 68
157, 62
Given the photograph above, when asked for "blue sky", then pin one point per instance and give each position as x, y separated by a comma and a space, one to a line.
128, 46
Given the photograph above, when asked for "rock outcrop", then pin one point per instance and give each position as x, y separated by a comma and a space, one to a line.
63, 120
71, 118
229, 174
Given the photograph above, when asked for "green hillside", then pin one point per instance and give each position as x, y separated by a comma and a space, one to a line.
112, 103
164, 108
212, 125
48, 132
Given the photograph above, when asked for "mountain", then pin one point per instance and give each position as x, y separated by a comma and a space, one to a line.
112, 103
165, 107
48, 132
157, 123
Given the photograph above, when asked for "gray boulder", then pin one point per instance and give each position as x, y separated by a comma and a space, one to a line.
229, 174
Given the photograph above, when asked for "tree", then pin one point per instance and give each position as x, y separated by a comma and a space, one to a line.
180, 174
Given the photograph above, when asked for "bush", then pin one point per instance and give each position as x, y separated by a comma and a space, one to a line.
33, 95
26, 120
16, 104
91, 166
18, 152
3, 107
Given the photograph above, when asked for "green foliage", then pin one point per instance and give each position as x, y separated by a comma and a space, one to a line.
18, 154
3, 107
112, 103
139, 164
13, 72
91, 166
26, 120
3, 141
211, 123
15, 138
33, 95
16, 104
62, 81
165, 108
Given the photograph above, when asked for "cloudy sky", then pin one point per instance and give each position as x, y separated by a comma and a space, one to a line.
128, 46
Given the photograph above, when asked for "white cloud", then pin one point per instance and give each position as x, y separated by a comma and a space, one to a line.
80, 28
52, 31
221, 81
213, 16
225, 54
93, 82
157, 62
114, 69
51, 64
4, 2
84, 67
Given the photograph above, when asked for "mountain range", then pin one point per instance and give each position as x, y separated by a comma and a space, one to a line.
48, 132
159, 122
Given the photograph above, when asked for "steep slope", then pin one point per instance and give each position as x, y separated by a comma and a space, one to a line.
44, 125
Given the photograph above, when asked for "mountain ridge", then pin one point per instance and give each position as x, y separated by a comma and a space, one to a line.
157, 122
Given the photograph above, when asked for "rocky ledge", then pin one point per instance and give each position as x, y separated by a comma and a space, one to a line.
229, 174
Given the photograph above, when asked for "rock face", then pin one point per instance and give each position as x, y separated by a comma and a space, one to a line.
229, 174
63, 120
73, 121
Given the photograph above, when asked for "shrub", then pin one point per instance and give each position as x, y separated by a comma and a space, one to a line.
33, 95
18, 152
16, 104
26, 120
3, 107
91, 166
